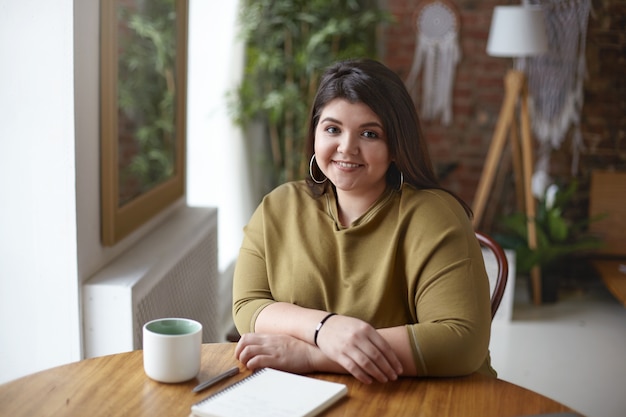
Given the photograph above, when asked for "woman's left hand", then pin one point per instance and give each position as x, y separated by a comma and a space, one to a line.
359, 349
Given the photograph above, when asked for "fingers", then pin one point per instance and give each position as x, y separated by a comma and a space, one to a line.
388, 358
245, 340
368, 363
360, 350
252, 351
275, 351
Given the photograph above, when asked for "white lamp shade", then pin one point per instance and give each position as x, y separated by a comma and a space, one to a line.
517, 31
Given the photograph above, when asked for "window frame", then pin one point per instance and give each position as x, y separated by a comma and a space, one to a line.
118, 221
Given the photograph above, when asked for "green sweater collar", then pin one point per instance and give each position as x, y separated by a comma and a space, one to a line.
333, 211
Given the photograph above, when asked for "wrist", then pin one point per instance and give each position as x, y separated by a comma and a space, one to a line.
319, 327
320, 362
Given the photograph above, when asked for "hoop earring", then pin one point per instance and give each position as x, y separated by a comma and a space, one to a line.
311, 172
401, 181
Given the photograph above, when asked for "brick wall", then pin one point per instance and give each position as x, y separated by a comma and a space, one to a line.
604, 113
478, 94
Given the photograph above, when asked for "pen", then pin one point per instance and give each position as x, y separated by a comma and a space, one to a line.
206, 384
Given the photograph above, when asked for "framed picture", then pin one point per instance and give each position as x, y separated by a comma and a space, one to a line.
143, 110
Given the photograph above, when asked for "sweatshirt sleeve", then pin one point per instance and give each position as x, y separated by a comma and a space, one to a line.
251, 289
451, 296
452, 337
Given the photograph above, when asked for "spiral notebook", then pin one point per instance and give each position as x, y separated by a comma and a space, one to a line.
269, 392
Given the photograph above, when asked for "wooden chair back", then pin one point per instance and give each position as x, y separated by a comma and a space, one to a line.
502, 272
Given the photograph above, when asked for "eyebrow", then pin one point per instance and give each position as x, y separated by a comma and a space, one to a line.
368, 124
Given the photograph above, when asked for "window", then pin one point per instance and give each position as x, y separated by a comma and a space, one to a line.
143, 98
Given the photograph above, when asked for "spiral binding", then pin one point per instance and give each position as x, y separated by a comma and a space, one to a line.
231, 387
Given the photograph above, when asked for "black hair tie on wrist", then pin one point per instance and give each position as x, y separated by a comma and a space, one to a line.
319, 326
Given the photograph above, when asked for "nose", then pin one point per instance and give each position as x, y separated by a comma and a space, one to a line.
348, 144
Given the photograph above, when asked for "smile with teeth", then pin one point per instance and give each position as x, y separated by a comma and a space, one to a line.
342, 164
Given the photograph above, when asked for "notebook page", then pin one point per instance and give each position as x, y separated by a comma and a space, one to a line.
270, 392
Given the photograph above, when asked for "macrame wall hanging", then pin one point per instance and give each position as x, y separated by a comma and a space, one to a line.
436, 54
555, 83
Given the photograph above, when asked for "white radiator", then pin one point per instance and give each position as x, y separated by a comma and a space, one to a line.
172, 272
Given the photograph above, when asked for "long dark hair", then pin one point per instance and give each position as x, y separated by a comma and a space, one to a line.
375, 85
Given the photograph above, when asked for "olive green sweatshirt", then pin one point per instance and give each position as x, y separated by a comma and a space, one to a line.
412, 259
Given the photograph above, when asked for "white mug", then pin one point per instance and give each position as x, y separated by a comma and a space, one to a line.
171, 349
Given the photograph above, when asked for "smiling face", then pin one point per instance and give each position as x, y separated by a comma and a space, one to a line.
351, 148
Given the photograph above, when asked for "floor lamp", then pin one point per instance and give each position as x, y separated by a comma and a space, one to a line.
516, 32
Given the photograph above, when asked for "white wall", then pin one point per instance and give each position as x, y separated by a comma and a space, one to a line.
49, 166
218, 175
39, 315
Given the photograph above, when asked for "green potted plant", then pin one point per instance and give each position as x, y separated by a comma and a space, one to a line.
288, 44
559, 237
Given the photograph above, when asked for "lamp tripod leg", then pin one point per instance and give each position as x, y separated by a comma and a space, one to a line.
529, 199
515, 91
513, 85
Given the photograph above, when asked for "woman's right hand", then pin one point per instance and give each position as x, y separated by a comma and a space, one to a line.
278, 351
359, 349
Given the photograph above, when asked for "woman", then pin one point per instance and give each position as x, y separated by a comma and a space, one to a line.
368, 267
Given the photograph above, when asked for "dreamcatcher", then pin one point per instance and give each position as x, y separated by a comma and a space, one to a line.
436, 53
555, 82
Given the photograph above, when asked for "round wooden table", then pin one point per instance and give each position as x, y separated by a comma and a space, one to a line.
116, 385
